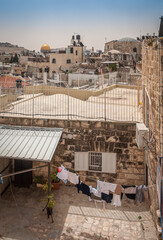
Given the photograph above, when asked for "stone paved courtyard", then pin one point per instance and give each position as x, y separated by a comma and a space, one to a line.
75, 217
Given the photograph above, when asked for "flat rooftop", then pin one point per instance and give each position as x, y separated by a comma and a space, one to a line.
118, 104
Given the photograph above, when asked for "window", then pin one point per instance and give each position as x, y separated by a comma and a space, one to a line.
53, 60
107, 46
68, 61
71, 50
135, 49
124, 57
95, 161
76, 52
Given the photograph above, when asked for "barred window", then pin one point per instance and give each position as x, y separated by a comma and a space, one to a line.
95, 161
68, 61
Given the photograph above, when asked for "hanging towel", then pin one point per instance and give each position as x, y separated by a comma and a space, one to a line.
105, 187
130, 190
73, 178
63, 175
116, 201
118, 189
127, 188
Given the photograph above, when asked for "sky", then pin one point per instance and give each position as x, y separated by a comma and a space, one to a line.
31, 23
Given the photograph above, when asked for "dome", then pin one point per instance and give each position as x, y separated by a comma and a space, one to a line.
127, 39
114, 51
45, 47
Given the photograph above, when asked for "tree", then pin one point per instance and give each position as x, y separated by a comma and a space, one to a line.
16, 59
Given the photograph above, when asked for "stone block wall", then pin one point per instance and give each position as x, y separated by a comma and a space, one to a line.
95, 136
151, 80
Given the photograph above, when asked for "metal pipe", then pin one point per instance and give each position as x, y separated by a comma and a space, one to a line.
33, 96
49, 182
105, 103
68, 100
23, 171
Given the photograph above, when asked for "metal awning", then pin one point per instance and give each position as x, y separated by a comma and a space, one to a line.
29, 143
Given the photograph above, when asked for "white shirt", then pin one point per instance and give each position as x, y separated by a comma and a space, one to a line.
95, 192
116, 201
105, 187
73, 178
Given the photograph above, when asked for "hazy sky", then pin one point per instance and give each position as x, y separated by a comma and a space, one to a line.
30, 23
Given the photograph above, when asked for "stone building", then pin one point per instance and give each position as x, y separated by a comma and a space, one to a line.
65, 58
152, 82
125, 45
57, 59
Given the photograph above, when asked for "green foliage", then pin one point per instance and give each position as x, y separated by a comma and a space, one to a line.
53, 175
16, 59
50, 200
113, 67
45, 187
39, 179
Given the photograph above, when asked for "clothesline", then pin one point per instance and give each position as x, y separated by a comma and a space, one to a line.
95, 180
109, 192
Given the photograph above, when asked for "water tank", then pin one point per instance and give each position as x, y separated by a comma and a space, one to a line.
78, 37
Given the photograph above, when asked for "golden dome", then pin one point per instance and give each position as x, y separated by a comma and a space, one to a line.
45, 47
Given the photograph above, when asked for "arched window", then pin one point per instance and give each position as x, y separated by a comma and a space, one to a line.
76, 52
53, 60
68, 61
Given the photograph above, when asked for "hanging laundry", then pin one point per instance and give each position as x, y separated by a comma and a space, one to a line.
73, 178
116, 201
84, 188
63, 174
59, 169
95, 192
139, 191
106, 197
118, 189
105, 187
130, 191
78, 186
1, 179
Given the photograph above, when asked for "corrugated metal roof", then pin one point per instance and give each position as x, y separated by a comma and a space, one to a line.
29, 143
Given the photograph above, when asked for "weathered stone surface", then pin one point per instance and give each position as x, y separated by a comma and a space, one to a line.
99, 137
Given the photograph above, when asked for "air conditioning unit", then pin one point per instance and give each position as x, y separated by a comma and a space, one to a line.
142, 135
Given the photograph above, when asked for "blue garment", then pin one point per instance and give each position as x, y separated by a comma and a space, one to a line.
1, 179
